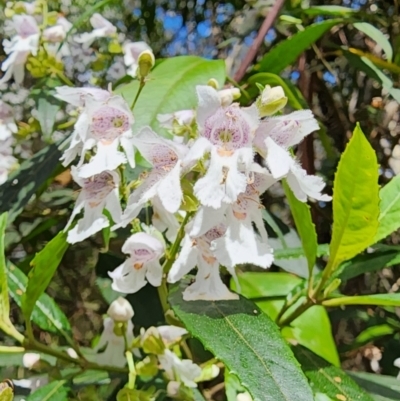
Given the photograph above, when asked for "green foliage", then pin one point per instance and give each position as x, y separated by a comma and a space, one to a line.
46, 313
32, 175
328, 379
287, 51
392, 299
248, 343
44, 266
54, 391
171, 87
302, 217
337, 11
355, 200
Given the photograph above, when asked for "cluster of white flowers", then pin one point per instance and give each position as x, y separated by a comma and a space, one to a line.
217, 158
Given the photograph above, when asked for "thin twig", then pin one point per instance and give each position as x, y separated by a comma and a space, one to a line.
265, 27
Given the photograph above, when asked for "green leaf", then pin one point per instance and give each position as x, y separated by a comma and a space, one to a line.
295, 253
44, 265
389, 218
47, 111
328, 379
355, 200
46, 313
287, 51
265, 284
338, 11
375, 299
372, 333
248, 343
5, 322
171, 87
54, 391
376, 35
21, 185
387, 387
305, 227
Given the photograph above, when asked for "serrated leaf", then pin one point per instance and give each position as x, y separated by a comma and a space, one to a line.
376, 35
392, 299
287, 51
54, 391
44, 265
305, 227
5, 322
22, 184
355, 200
46, 313
328, 379
248, 343
389, 218
171, 87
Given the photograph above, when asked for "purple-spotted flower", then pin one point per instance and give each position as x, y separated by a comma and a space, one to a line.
274, 137
18, 49
226, 133
163, 181
199, 251
98, 192
142, 265
101, 28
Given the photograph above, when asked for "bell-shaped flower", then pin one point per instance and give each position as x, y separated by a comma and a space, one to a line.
180, 370
163, 181
7, 123
104, 125
19, 48
226, 133
7, 160
101, 28
132, 51
98, 193
198, 251
274, 137
143, 264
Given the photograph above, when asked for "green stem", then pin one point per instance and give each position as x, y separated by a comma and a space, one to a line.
11, 350
132, 370
326, 274
141, 86
63, 78
296, 313
235, 84
288, 304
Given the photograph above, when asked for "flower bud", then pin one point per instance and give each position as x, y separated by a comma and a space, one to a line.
152, 342
213, 83
178, 391
208, 372
30, 360
271, 100
146, 62
244, 397
120, 310
227, 96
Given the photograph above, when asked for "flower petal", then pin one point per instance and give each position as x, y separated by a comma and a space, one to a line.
278, 159
127, 279
208, 103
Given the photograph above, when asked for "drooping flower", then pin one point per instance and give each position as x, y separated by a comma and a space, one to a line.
7, 123
176, 369
132, 51
143, 264
199, 251
24, 43
104, 125
274, 137
226, 133
7, 160
101, 28
241, 243
163, 181
98, 192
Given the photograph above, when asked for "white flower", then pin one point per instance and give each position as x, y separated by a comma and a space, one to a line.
164, 179
226, 133
102, 28
227, 96
132, 51
18, 49
184, 371
171, 334
143, 263
180, 118
104, 125
7, 123
98, 193
77, 96
164, 221
114, 354
120, 310
58, 32
7, 160
273, 138
198, 251
30, 359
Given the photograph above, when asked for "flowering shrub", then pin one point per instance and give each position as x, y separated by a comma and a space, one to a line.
171, 168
